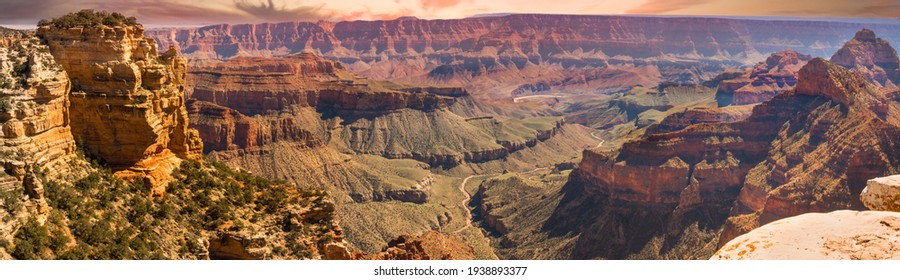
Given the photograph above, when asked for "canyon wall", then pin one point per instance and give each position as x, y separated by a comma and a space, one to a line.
507, 56
518, 39
392, 120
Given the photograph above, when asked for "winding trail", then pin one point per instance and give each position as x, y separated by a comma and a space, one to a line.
598, 138
465, 204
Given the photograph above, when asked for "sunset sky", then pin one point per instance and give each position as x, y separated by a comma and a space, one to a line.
198, 12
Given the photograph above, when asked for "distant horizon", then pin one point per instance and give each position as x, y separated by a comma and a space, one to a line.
207, 12
787, 18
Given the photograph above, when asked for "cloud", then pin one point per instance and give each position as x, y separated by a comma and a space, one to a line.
665, 6
880, 8
268, 11
438, 4
371, 15
162, 12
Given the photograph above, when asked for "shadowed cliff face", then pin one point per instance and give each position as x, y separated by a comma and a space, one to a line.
806, 150
128, 105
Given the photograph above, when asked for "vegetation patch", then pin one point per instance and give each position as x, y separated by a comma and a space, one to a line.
89, 18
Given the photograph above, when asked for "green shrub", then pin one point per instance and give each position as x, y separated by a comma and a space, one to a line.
89, 18
31, 240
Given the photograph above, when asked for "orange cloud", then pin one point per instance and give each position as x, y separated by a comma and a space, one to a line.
665, 6
438, 4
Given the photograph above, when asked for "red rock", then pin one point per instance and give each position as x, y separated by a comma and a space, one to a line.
775, 75
807, 150
871, 56
432, 245
492, 56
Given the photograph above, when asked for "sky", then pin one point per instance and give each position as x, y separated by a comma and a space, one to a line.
204, 12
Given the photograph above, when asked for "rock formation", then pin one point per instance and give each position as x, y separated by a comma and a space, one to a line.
872, 57
839, 235
127, 102
882, 194
429, 246
765, 80
34, 107
828, 142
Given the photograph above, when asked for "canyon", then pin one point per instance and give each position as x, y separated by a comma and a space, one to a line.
498, 137
371, 144
684, 190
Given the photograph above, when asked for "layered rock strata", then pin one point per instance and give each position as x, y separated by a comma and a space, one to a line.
127, 100
34, 109
870, 56
765, 80
262, 95
828, 142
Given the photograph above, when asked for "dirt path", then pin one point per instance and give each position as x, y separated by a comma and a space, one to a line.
599, 139
465, 204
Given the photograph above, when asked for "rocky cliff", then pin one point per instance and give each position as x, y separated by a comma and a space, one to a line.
765, 80
34, 107
702, 179
35, 134
871, 56
838, 235
127, 100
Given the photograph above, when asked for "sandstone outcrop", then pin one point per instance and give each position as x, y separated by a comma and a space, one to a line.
127, 102
256, 85
872, 57
765, 80
844, 234
34, 108
839, 235
224, 129
882, 194
679, 121
228, 246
